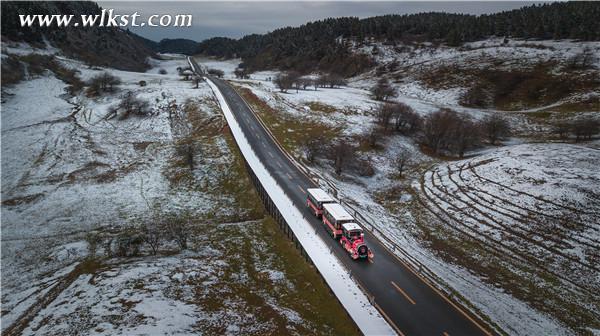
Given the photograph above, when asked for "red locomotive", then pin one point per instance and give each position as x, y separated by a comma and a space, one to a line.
353, 241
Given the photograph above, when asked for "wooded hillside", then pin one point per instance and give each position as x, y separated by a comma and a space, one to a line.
102, 46
315, 45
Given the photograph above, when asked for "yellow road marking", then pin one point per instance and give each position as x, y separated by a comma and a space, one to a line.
289, 176
400, 333
439, 293
403, 293
301, 189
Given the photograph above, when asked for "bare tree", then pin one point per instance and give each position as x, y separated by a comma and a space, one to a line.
306, 82
153, 235
343, 153
403, 159
465, 134
92, 239
241, 73
334, 80
331, 81
107, 242
373, 136
364, 167
131, 104
316, 83
313, 147
382, 91
294, 78
384, 115
283, 82
179, 230
437, 128
104, 82
406, 120
562, 130
585, 129
495, 127
129, 242
476, 96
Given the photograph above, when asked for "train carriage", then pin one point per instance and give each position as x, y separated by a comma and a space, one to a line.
316, 199
334, 215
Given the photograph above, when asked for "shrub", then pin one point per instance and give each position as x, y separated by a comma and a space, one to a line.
284, 81
449, 131
132, 104
585, 129
216, 72
104, 82
129, 242
12, 70
382, 91
495, 127
365, 168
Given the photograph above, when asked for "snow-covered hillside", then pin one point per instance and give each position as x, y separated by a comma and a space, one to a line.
441, 75
79, 183
534, 208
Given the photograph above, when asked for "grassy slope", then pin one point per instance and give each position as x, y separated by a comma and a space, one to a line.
247, 248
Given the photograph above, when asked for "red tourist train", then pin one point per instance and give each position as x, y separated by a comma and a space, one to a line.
339, 223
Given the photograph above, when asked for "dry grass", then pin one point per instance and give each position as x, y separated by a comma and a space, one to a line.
291, 132
248, 246
514, 89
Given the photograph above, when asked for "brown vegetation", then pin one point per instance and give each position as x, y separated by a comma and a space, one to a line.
523, 88
102, 83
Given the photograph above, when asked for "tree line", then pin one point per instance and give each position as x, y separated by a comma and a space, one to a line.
444, 132
294, 80
317, 45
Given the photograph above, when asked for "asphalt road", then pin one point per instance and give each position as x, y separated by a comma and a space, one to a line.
413, 306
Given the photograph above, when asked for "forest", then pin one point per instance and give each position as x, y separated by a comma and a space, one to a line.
317, 45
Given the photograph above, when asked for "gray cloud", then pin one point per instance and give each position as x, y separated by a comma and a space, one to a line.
236, 19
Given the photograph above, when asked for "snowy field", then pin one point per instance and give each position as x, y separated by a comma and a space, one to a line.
414, 60
71, 169
536, 208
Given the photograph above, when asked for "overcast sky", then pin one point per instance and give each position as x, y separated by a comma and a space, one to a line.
236, 19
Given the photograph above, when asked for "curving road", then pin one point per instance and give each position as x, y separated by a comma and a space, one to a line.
407, 301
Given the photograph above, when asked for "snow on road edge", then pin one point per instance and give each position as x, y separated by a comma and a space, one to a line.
356, 303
